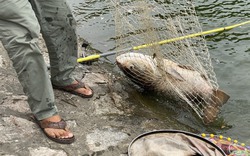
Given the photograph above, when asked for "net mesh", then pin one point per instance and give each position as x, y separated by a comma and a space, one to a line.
139, 22
228, 145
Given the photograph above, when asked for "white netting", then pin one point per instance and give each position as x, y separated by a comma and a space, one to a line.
141, 22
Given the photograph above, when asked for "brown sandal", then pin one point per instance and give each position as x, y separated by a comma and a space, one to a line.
55, 125
71, 89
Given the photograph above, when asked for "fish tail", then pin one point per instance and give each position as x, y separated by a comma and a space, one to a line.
212, 110
219, 97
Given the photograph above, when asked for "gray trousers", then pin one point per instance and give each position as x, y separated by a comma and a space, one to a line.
21, 22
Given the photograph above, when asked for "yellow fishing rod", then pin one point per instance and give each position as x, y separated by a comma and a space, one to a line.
97, 56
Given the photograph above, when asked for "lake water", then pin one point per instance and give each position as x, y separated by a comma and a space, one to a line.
230, 53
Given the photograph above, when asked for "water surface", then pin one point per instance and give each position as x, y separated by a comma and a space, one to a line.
230, 52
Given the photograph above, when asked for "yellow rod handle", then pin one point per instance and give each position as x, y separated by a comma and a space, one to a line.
189, 36
88, 58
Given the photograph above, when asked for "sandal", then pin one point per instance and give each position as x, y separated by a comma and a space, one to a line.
72, 89
55, 125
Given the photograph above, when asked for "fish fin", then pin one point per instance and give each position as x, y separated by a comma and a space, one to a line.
186, 67
219, 97
154, 55
204, 77
175, 74
210, 114
212, 110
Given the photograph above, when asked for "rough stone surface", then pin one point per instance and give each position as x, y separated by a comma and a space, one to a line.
100, 140
45, 151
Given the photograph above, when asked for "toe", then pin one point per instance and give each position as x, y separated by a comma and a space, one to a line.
58, 133
85, 91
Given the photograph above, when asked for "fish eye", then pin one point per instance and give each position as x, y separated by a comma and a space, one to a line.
131, 67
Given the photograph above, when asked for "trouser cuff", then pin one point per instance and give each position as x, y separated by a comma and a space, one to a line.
46, 114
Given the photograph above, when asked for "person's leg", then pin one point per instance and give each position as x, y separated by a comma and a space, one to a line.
19, 31
58, 30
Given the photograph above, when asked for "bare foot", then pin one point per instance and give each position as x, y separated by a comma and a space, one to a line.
53, 132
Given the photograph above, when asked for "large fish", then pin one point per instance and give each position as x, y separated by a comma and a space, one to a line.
145, 72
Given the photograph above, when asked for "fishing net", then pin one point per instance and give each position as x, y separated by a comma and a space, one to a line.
228, 145
146, 22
